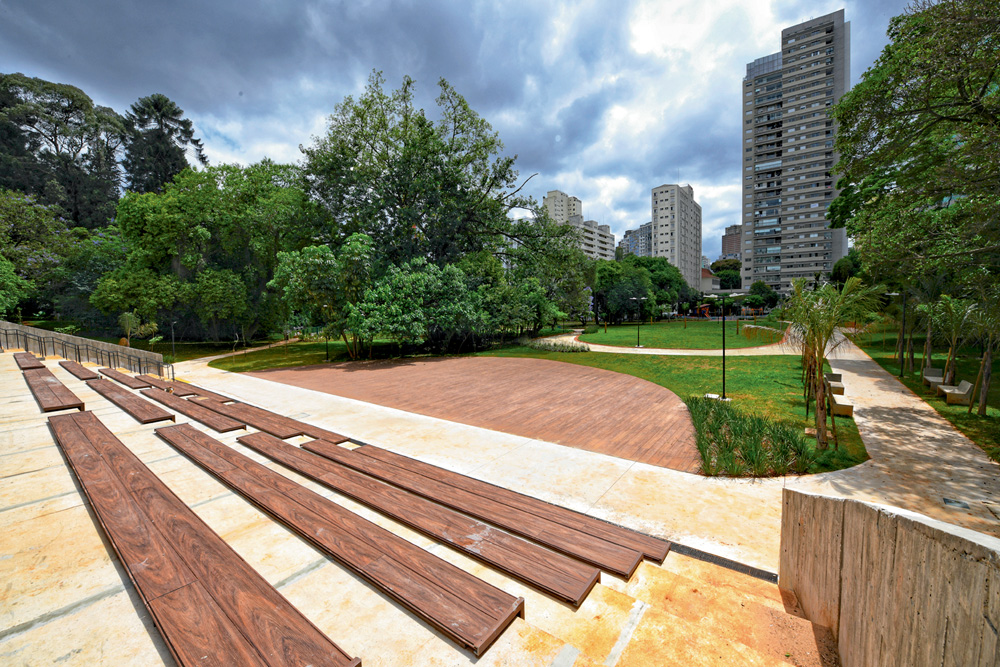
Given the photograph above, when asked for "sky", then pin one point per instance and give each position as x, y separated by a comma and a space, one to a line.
603, 100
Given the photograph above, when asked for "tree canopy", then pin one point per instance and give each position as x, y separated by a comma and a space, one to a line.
917, 138
158, 139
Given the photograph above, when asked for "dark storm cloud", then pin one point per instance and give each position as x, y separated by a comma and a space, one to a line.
565, 84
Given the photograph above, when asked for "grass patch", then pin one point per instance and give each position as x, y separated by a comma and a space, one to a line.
697, 335
984, 431
768, 386
294, 354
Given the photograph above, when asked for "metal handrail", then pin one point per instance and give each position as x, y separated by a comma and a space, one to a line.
83, 352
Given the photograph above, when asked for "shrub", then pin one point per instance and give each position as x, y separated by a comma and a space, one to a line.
547, 345
736, 443
591, 328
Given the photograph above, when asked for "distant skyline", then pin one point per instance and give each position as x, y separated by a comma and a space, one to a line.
604, 101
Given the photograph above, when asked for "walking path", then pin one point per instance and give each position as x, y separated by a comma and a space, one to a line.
758, 351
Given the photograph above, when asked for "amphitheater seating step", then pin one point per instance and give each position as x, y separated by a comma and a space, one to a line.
549, 571
80, 371
205, 600
466, 609
138, 408
121, 378
194, 410
50, 393
571, 541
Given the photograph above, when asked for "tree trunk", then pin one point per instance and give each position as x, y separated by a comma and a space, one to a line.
821, 442
909, 352
927, 346
987, 372
949, 367
975, 385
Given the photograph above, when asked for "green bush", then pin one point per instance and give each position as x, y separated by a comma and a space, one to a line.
735, 443
591, 329
547, 345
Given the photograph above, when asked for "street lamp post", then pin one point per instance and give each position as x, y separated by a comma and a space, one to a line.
638, 316
173, 346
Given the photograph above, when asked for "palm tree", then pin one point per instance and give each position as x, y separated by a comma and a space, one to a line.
817, 318
985, 323
159, 137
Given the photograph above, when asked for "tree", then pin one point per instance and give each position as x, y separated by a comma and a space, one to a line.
917, 138
158, 139
726, 265
13, 288
986, 327
729, 279
765, 292
952, 317
35, 241
437, 190
817, 328
62, 147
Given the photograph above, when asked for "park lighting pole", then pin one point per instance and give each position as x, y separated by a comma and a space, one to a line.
173, 347
638, 316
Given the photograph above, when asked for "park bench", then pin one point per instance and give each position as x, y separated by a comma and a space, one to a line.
209, 605
464, 608
833, 377
127, 380
194, 410
50, 393
556, 574
957, 395
80, 371
841, 408
597, 551
139, 409
930, 374
27, 361
259, 418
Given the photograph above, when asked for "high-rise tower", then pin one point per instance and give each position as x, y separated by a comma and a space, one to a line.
788, 153
676, 230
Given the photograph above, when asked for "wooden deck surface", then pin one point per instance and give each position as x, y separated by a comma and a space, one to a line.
588, 408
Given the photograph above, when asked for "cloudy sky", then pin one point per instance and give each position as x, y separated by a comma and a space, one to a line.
602, 99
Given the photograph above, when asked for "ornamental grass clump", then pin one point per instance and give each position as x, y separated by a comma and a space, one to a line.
547, 345
735, 443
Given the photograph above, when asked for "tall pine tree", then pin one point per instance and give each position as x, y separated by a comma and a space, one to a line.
159, 137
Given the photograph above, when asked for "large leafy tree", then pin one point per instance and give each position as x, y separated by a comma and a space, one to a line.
158, 140
210, 237
57, 144
918, 137
435, 189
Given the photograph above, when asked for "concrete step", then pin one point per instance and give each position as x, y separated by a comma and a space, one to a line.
739, 611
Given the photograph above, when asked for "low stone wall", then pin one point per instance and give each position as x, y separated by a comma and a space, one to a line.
896, 587
79, 349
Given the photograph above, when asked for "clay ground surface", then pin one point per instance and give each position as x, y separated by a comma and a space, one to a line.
587, 408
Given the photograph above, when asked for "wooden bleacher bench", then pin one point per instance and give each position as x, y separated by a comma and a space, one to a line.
210, 606
652, 548
121, 378
556, 574
139, 409
195, 410
27, 361
80, 371
50, 393
597, 551
466, 609
261, 419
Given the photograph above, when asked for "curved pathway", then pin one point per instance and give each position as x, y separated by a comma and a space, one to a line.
587, 408
760, 350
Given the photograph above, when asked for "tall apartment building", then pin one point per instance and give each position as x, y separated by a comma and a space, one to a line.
732, 242
676, 230
788, 153
596, 240
638, 242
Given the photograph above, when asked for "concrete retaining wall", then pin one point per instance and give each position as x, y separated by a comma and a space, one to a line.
79, 349
896, 587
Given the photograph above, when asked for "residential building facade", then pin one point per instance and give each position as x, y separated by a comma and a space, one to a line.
731, 242
638, 242
596, 240
676, 230
788, 154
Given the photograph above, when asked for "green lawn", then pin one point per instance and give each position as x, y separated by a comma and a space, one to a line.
984, 431
766, 385
695, 335
293, 354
